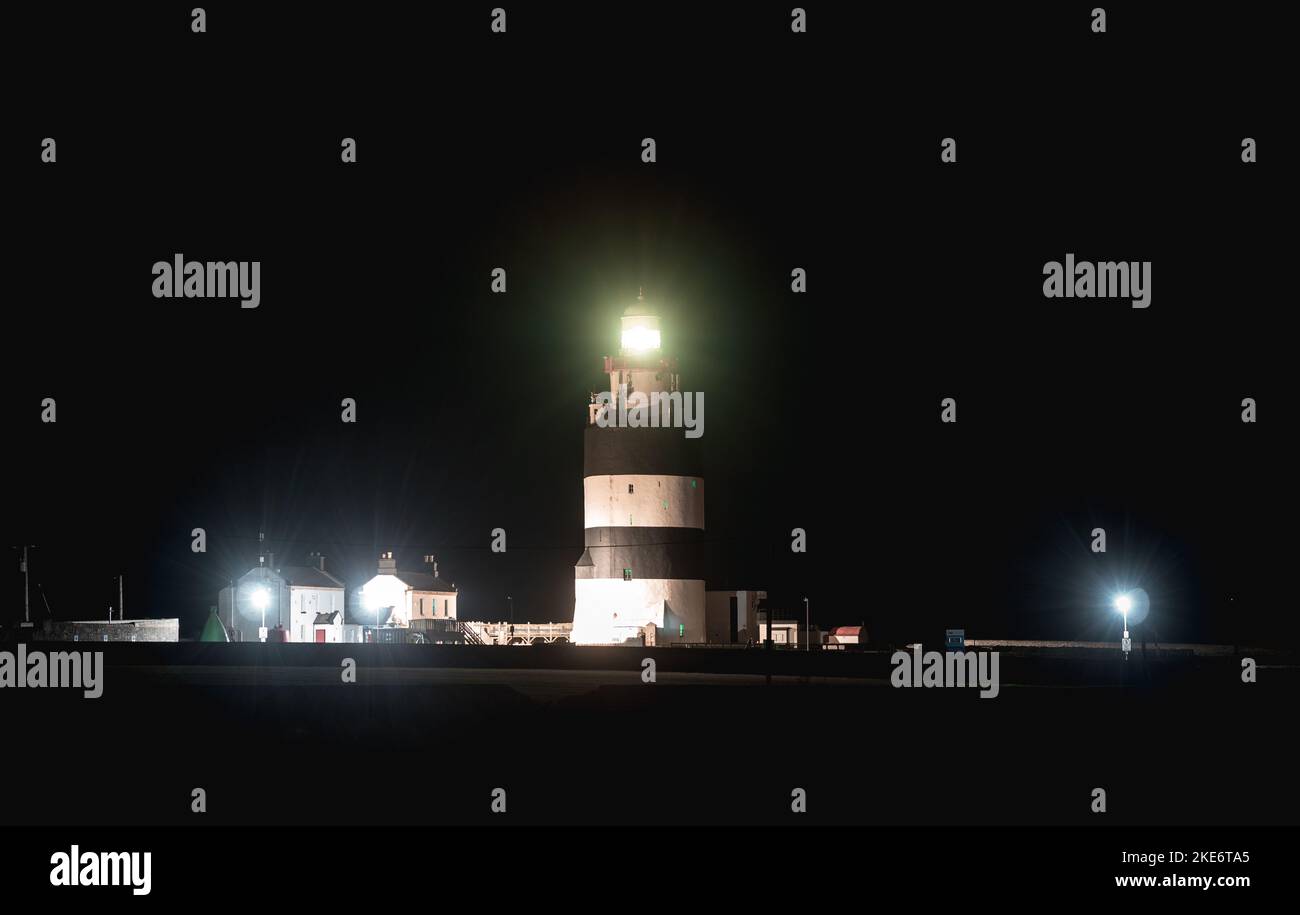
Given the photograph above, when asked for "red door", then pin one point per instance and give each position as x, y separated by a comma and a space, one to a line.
320, 635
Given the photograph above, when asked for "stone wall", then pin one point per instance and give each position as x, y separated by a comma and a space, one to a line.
105, 631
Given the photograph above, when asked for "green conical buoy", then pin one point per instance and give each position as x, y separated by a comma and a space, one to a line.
213, 630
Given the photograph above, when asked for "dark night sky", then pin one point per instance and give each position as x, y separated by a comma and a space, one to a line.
822, 410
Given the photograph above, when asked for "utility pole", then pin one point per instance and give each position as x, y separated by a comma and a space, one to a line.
27, 593
120, 605
807, 626
767, 643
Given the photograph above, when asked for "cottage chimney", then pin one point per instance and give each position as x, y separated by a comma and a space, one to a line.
322, 561
432, 561
387, 565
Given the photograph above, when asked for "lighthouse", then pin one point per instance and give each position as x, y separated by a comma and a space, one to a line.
643, 500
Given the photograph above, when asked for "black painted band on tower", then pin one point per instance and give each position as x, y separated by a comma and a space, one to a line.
667, 452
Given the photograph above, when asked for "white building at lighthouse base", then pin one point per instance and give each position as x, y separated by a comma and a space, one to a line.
613, 611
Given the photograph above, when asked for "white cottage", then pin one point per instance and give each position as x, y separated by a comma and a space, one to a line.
292, 597
395, 598
312, 592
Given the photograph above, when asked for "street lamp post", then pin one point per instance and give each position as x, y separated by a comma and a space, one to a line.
373, 602
1123, 604
260, 599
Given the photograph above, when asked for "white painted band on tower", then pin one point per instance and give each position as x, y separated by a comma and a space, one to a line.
643, 500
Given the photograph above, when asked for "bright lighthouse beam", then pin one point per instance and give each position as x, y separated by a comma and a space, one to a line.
260, 598
640, 329
640, 338
1124, 604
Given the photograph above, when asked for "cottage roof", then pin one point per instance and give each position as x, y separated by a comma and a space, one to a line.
424, 581
308, 577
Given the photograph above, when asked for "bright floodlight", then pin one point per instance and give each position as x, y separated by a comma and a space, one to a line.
1123, 604
261, 597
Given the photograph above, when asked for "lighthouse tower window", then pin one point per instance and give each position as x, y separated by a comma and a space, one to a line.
629, 487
